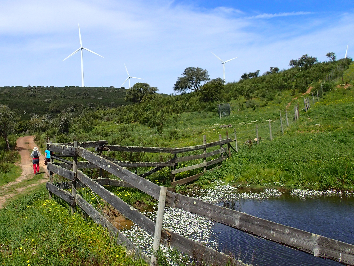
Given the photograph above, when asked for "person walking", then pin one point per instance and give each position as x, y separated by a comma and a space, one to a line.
47, 156
35, 155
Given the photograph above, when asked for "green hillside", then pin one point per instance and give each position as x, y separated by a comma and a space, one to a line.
300, 154
313, 152
37, 100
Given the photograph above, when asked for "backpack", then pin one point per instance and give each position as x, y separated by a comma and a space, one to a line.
35, 154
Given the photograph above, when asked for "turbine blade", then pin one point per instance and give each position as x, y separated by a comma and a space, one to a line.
92, 52
135, 78
230, 59
217, 57
125, 81
72, 53
79, 34
126, 69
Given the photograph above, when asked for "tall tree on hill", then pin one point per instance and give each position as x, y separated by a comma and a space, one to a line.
7, 123
191, 80
304, 62
250, 75
139, 92
211, 91
331, 56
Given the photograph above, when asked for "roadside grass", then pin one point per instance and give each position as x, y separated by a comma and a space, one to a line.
8, 170
23, 184
10, 175
35, 230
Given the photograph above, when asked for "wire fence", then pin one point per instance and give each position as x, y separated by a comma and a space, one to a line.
254, 132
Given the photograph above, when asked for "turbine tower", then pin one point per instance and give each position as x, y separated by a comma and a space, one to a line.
346, 52
82, 60
129, 77
223, 63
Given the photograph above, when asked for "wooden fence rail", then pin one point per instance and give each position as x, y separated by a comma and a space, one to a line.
64, 150
194, 249
301, 240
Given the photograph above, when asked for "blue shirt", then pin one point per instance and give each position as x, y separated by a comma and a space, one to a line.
47, 154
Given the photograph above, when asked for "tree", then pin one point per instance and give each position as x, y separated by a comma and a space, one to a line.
7, 123
274, 70
250, 75
191, 79
211, 91
139, 92
304, 61
331, 56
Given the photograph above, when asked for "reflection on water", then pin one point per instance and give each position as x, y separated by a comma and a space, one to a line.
328, 216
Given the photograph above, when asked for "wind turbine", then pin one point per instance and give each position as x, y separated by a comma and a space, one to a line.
346, 52
223, 63
82, 61
129, 77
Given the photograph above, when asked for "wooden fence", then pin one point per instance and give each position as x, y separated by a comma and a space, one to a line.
224, 151
301, 240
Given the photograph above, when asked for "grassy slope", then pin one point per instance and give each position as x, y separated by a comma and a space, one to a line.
35, 230
314, 153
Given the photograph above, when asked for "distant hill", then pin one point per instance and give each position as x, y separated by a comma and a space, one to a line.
38, 100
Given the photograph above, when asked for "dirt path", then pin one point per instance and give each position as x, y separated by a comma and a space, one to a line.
307, 92
24, 146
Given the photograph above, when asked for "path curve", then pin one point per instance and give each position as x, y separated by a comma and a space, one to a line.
307, 92
24, 146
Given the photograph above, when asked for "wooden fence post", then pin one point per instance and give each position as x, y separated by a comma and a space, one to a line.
221, 154
321, 90
173, 176
281, 124
73, 183
296, 108
295, 115
287, 120
100, 170
270, 130
204, 143
228, 144
236, 147
158, 225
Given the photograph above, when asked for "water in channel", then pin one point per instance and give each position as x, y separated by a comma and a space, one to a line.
330, 216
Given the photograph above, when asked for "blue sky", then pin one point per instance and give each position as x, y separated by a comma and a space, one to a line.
158, 39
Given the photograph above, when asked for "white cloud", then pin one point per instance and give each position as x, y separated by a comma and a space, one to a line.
284, 14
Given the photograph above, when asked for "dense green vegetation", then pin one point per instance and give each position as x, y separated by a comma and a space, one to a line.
8, 171
314, 152
37, 101
37, 231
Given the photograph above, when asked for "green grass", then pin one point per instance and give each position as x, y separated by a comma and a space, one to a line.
35, 230
26, 183
11, 173
314, 153
8, 170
